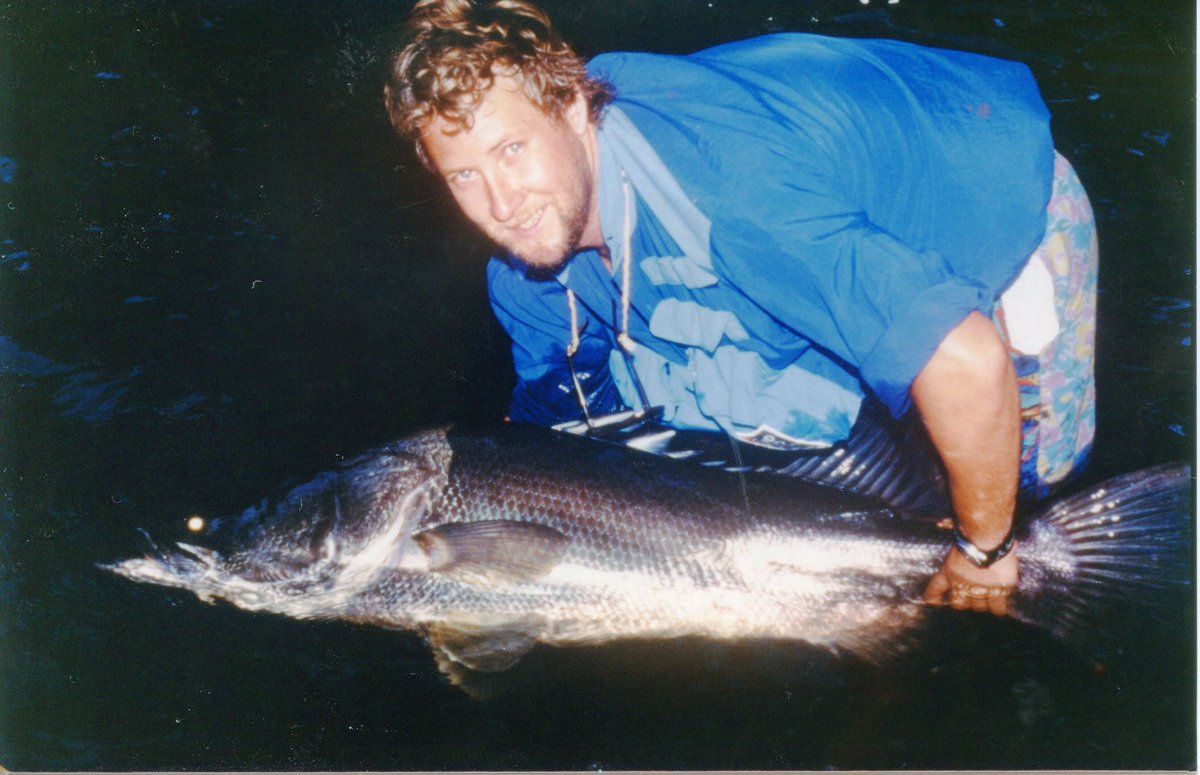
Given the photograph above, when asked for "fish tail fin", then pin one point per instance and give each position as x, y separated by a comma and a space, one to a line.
1116, 555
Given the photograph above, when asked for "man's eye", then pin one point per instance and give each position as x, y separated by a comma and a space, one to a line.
463, 176
512, 149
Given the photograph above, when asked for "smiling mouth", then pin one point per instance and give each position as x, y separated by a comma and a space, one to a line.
530, 223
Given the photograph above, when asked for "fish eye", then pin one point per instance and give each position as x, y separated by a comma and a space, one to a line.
195, 523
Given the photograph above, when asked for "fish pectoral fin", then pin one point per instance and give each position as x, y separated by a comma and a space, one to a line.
485, 647
496, 552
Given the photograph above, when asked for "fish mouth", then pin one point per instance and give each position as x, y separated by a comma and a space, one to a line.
198, 570
185, 570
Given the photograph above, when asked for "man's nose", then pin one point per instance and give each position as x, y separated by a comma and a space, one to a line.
504, 196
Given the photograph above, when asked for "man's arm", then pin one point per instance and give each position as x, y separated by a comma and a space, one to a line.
968, 399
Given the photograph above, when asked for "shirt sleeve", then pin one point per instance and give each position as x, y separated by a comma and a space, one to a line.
886, 214
537, 319
852, 288
867, 196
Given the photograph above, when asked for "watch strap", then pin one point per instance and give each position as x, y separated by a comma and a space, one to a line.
978, 557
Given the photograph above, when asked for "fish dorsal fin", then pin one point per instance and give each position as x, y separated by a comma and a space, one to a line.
494, 552
486, 647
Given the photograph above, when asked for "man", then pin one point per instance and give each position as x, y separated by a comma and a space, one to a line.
760, 235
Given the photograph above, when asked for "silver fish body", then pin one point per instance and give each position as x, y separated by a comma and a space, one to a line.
490, 543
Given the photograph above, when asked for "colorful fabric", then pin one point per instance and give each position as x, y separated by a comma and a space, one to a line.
1058, 390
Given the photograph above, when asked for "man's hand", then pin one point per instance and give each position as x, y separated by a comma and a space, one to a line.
965, 587
967, 396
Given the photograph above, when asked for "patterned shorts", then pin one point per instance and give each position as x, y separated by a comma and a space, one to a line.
1058, 389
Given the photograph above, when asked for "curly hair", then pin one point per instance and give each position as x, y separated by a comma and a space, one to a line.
453, 50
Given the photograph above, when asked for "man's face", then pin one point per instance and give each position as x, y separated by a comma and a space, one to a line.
522, 176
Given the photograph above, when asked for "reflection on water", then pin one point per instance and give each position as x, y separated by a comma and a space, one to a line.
219, 272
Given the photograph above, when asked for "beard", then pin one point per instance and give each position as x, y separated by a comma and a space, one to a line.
550, 255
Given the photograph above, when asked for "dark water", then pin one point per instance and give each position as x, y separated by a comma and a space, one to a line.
218, 271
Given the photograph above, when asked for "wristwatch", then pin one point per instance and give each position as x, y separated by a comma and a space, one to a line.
979, 557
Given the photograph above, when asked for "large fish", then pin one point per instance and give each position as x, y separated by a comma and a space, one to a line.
489, 543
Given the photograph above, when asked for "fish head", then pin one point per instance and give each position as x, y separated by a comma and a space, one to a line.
312, 549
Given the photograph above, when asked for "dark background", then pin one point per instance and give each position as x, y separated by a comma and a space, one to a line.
219, 270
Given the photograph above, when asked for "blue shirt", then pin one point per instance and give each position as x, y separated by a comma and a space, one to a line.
809, 218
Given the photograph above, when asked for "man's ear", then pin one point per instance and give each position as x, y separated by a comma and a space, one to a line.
577, 114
